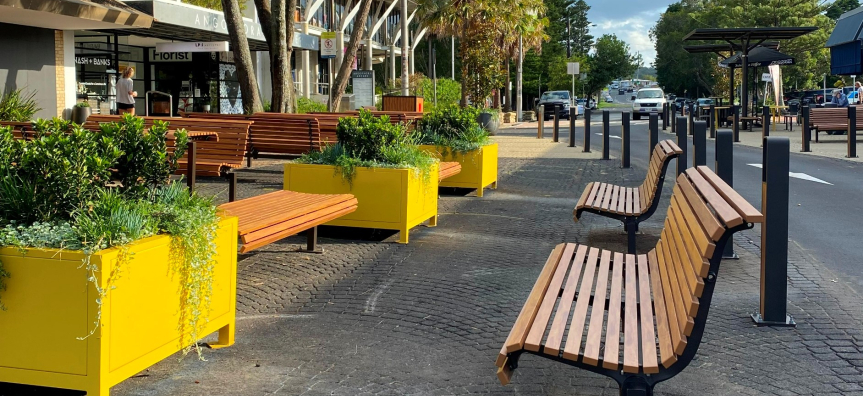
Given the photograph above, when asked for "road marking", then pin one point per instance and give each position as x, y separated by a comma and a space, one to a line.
611, 136
801, 176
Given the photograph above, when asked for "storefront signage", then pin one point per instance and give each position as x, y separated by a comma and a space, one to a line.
328, 45
94, 61
195, 46
169, 56
363, 82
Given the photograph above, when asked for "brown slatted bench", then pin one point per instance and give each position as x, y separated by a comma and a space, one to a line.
448, 169
20, 130
830, 119
267, 218
630, 205
657, 301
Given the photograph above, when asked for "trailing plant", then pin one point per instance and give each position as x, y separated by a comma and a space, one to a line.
18, 106
306, 105
453, 129
375, 142
82, 104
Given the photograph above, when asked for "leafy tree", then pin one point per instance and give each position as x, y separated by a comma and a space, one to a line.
677, 70
839, 7
341, 80
242, 57
610, 61
581, 40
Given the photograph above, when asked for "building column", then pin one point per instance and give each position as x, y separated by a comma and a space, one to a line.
392, 75
369, 51
304, 74
66, 96
405, 47
340, 51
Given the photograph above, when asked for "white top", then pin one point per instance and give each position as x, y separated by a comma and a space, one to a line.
859, 94
124, 87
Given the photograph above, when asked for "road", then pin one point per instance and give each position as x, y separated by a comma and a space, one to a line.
825, 219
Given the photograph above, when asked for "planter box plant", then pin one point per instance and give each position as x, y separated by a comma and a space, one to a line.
454, 135
106, 267
394, 181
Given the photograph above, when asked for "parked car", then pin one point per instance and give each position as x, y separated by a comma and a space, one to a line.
648, 100
621, 91
556, 99
609, 99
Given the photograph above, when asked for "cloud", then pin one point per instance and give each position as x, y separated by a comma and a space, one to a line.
629, 20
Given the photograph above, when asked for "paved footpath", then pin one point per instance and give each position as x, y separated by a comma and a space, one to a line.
372, 317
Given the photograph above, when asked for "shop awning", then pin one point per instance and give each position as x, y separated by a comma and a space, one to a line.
178, 21
73, 14
759, 57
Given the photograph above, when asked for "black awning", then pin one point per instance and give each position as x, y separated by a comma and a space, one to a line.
717, 48
752, 34
759, 57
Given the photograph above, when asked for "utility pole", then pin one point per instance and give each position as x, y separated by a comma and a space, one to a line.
518, 78
568, 38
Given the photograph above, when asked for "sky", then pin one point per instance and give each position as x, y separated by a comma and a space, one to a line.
630, 20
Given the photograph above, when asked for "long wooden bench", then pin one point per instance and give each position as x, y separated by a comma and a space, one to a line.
214, 158
630, 205
448, 169
831, 119
657, 301
267, 218
20, 130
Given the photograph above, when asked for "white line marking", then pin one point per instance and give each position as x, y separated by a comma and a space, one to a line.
611, 136
372, 302
801, 176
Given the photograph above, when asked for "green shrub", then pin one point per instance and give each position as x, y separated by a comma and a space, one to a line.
448, 94
82, 104
369, 141
453, 128
18, 106
306, 105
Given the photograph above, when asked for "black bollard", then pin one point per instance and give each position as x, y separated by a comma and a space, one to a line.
572, 128
807, 132
852, 131
774, 234
699, 143
735, 123
555, 133
672, 111
691, 119
605, 131
682, 142
624, 137
664, 116
724, 166
540, 119
712, 121
765, 122
653, 133
192, 154
587, 130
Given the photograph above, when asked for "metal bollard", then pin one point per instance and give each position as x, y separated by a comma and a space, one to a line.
765, 122
807, 133
724, 166
624, 137
712, 121
540, 119
572, 128
684, 145
664, 116
653, 133
691, 119
555, 133
672, 111
774, 234
605, 132
587, 130
852, 131
191, 159
699, 143
735, 127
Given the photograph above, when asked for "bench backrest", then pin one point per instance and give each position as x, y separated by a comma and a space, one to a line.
663, 153
229, 149
828, 116
277, 133
703, 214
18, 128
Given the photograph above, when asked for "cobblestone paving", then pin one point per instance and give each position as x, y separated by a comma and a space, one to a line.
372, 317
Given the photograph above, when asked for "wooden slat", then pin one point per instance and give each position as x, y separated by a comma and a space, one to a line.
300, 223
705, 217
621, 200
636, 201
630, 201
705, 245
723, 210
685, 272
611, 358
584, 195
610, 194
537, 329
743, 207
697, 262
663, 335
600, 196
597, 315
649, 363
630, 321
682, 296
558, 326
247, 247
576, 327
674, 308
504, 373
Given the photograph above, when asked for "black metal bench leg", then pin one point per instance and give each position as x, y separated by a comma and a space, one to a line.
312, 242
232, 186
636, 386
631, 229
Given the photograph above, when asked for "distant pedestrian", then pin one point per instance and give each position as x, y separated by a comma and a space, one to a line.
125, 92
839, 98
859, 87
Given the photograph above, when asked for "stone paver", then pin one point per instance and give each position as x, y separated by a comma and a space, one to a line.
372, 317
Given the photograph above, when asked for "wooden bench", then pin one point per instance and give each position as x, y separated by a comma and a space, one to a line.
658, 302
448, 169
630, 205
830, 119
267, 218
20, 130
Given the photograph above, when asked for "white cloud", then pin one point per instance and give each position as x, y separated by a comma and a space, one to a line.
630, 20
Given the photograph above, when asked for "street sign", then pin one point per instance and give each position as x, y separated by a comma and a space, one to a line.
195, 46
363, 82
328, 45
766, 77
572, 67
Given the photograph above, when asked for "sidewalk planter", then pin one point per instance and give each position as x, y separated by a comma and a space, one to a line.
478, 167
390, 199
51, 305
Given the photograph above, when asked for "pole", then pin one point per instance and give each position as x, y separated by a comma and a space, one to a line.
807, 132
555, 133
713, 121
664, 116
735, 123
691, 117
765, 122
403, 8
572, 129
606, 118
744, 100
671, 114
518, 78
682, 142
452, 47
587, 113
653, 132
774, 234
852, 131
724, 166
434, 73
699, 143
540, 124
624, 137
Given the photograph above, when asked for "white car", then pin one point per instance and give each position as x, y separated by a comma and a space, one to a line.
648, 100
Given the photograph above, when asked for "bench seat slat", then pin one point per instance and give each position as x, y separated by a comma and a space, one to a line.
705, 245
693, 256
558, 326
576, 328
248, 247
749, 213
675, 311
305, 221
723, 210
705, 216
537, 329
663, 329
597, 316
645, 314
630, 322
611, 358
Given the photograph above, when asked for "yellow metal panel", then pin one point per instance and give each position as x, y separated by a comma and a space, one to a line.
478, 168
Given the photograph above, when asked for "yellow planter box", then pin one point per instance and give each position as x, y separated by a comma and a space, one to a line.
478, 168
390, 199
51, 305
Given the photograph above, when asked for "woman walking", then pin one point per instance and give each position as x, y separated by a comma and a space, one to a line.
125, 93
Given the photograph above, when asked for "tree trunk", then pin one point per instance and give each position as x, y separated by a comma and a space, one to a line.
508, 103
279, 58
290, 94
341, 81
264, 15
242, 57
465, 73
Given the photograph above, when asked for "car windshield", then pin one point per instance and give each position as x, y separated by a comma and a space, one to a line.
650, 94
555, 95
